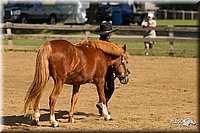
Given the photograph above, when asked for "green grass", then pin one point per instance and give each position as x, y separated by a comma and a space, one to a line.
177, 22
161, 45
31, 42
139, 46
130, 45
24, 42
163, 22
182, 49
44, 31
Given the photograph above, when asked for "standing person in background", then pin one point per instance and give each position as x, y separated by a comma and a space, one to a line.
149, 22
105, 32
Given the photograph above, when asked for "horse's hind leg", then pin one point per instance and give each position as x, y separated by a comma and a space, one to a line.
73, 102
102, 100
36, 115
52, 100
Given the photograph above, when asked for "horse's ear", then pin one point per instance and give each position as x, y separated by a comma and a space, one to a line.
124, 48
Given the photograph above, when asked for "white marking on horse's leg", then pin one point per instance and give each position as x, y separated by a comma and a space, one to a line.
71, 119
105, 112
37, 116
53, 121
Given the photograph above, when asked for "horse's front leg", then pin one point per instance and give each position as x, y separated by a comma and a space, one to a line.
102, 99
52, 100
73, 102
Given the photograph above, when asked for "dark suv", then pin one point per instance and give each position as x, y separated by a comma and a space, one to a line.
31, 12
125, 10
120, 13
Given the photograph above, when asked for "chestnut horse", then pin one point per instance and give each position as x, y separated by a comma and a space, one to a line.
75, 65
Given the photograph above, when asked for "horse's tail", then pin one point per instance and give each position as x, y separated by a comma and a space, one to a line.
41, 77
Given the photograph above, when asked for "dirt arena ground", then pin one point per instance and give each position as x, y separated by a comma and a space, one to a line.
161, 91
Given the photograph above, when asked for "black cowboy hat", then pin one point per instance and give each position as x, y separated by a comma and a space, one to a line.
105, 28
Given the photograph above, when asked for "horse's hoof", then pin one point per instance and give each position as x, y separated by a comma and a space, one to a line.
35, 123
71, 120
111, 119
108, 118
54, 124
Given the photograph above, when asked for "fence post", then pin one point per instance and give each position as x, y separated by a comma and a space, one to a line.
87, 32
171, 36
165, 14
192, 15
9, 33
183, 15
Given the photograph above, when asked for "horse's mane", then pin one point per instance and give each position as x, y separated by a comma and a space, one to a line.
126, 54
106, 47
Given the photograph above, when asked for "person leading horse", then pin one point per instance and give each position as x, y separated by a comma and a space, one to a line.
105, 32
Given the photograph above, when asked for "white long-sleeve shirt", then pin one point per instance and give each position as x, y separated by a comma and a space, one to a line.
150, 23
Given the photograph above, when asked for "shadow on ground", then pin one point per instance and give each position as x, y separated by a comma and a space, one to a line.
20, 120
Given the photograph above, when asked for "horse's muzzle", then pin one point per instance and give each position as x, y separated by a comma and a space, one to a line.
124, 80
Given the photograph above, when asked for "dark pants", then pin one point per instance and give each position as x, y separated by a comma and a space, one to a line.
109, 79
109, 84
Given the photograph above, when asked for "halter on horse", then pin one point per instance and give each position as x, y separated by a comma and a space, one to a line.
74, 65
123, 77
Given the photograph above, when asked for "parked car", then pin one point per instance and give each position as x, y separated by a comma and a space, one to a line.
123, 12
31, 12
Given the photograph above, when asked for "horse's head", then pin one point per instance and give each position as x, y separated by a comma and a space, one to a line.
120, 67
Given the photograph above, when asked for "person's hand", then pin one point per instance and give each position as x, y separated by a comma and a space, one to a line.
148, 24
145, 25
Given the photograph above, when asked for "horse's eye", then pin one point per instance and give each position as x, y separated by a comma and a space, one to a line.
126, 62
